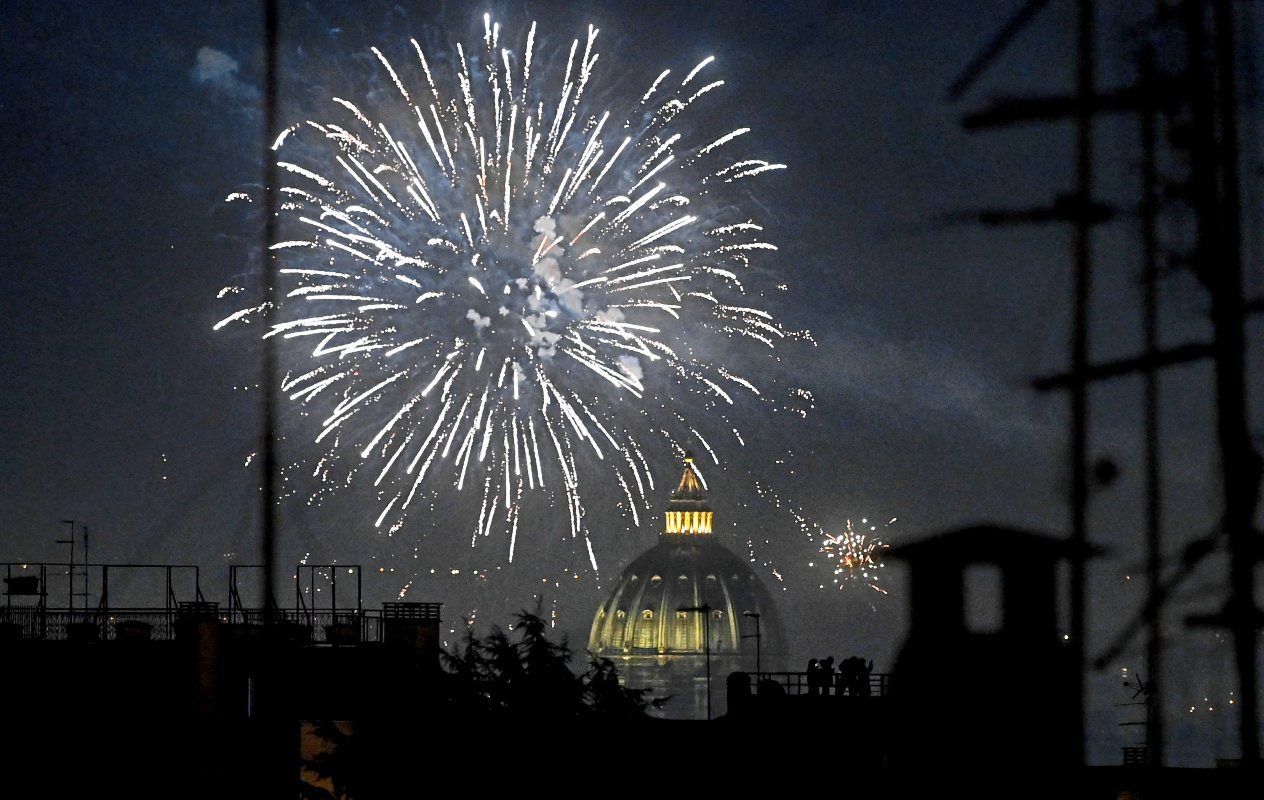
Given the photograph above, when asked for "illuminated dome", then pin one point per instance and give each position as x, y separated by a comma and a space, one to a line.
645, 615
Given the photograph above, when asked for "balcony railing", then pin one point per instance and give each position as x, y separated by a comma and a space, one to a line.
313, 627
797, 683
27, 614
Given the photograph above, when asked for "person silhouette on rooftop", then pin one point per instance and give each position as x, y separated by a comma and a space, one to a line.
827, 674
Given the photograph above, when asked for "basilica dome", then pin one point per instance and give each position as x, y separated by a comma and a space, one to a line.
657, 607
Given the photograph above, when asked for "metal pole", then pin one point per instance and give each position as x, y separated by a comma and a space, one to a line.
755, 616
167, 599
1217, 201
86, 569
705, 610
706, 624
1085, 91
268, 462
758, 642
278, 757
1240, 462
70, 572
1153, 456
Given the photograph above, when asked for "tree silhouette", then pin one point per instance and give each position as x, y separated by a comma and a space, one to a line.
467, 668
527, 674
519, 676
605, 697
547, 687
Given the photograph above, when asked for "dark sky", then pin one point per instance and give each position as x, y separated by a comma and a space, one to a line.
125, 412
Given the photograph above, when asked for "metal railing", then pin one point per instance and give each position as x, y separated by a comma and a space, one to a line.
428, 611
340, 627
45, 624
345, 627
797, 683
27, 615
37, 623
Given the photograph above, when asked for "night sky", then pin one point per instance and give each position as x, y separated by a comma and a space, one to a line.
125, 412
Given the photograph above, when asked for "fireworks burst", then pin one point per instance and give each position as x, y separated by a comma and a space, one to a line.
493, 283
856, 555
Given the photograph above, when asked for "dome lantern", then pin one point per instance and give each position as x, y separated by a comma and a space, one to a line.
688, 513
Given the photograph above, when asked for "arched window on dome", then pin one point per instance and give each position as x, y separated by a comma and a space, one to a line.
616, 630
682, 632
719, 640
656, 579
646, 630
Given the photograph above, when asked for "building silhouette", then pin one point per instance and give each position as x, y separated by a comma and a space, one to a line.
985, 679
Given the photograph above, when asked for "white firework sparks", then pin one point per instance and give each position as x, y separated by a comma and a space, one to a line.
497, 284
856, 555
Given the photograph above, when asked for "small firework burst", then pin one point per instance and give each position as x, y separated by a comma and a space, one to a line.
856, 556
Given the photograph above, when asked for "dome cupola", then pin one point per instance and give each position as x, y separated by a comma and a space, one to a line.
655, 607
688, 513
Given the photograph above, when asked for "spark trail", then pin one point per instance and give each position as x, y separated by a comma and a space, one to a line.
493, 284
